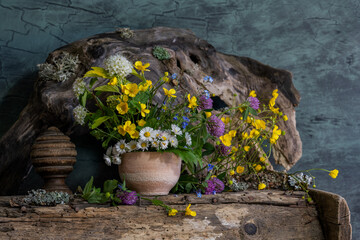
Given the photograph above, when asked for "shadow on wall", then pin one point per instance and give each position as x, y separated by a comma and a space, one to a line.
15, 99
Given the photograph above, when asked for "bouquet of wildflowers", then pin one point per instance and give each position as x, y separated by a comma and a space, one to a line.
126, 118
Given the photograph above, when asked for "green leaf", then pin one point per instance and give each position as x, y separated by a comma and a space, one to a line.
88, 188
108, 88
245, 113
188, 187
209, 149
99, 121
252, 111
97, 72
221, 176
92, 82
83, 99
110, 185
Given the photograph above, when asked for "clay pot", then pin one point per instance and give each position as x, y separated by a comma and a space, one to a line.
150, 173
53, 156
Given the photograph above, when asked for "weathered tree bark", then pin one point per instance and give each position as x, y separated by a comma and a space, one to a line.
243, 215
52, 102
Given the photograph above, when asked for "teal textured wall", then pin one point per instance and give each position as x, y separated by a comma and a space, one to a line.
318, 41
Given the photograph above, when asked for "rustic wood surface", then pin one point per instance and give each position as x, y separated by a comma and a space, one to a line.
334, 215
192, 58
244, 215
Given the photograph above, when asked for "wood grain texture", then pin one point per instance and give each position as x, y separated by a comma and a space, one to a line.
248, 215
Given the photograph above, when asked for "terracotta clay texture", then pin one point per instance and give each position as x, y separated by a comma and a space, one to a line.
150, 173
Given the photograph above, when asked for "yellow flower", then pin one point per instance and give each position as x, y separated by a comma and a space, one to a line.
131, 89
261, 186
172, 212
275, 93
130, 127
234, 149
135, 134
275, 135
170, 93
262, 159
258, 168
252, 94
226, 140
231, 182
165, 78
232, 133
188, 212
139, 66
121, 130
285, 118
247, 148
113, 81
232, 172
225, 120
122, 108
240, 169
125, 98
245, 135
144, 111
259, 124
254, 133
208, 114
143, 87
192, 101
141, 122
334, 173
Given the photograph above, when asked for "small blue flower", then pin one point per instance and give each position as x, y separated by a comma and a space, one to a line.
186, 119
210, 167
208, 79
207, 94
174, 76
158, 118
198, 193
214, 192
120, 186
184, 125
175, 118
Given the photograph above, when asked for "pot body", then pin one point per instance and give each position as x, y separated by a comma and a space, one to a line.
150, 173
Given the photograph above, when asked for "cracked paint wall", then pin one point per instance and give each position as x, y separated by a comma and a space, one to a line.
317, 41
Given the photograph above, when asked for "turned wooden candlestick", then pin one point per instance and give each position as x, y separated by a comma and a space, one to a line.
53, 156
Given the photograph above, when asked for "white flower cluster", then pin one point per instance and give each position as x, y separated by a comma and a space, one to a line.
79, 87
148, 138
80, 114
118, 65
298, 178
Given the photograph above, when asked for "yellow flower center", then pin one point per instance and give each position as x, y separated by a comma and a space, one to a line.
147, 134
122, 146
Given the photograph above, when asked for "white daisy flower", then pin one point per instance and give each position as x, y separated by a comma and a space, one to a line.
121, 147
107, 160
116, 160
147, 134
176, 129
188, 139
118, 64
164, 136
80, 114
173, 141
157, 134
155, 144
142, 145
164, 145
131, 146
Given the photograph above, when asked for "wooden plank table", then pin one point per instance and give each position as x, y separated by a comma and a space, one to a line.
269, 214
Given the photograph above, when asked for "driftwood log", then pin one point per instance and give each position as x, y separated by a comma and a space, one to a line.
52, 101
243, 215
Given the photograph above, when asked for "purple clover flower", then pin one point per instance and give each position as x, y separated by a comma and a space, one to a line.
254, 102
215, 126
127, 198
205, 103
215, 185
224, 150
